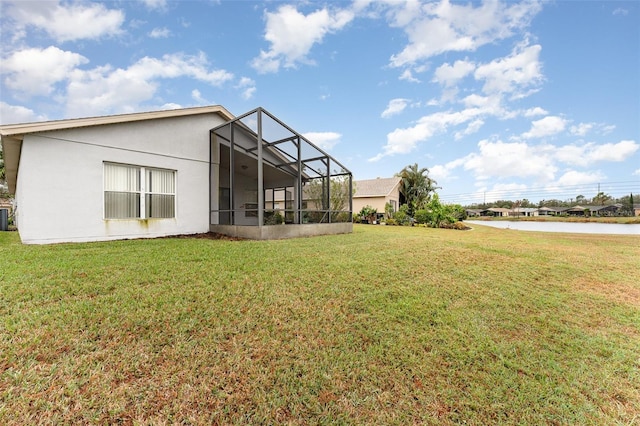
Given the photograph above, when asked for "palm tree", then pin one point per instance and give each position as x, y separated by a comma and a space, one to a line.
416, 187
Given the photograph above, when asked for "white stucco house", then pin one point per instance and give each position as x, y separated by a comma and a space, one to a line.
161, 173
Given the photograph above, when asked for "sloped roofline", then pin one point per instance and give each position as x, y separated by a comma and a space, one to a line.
45, 126
12, 135
377, 194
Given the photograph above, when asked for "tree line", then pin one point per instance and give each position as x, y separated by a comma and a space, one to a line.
601, 199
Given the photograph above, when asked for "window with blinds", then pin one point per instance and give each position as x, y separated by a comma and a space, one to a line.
134, 192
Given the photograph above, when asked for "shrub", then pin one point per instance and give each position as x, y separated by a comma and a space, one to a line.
460, 226
422, 216
273, 218
340, 217
402, 216
368, 214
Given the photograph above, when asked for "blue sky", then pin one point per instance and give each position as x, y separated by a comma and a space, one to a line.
500, 100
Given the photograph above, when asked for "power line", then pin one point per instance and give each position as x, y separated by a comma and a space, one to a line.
534, 194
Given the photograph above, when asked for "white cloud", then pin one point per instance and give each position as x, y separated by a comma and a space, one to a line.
435, 28
35, 71
248, 87
324, 140
293, 34
160, 33
547, 126
513, 73
636, 173
197, 96
407, 75
443, 172
581, 129
573, 177
104, 89
395, 107
403, 141
570, 154
472, 128
500, 160
533, 112
248, 93
155, 4
612, 151
449, 75
606, 129
67, 21
621, 11
170, 105
12, 114
490, 105
587, 154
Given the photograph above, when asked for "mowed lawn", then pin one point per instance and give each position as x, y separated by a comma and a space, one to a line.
388, 325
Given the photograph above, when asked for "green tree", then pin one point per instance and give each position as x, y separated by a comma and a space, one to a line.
2, 173
402, 216
338, 201
388, 210
627, 205
438, 211
601, 199
4, 191
416, 187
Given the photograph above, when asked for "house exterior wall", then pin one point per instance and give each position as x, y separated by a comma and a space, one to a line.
377, 203
68, 165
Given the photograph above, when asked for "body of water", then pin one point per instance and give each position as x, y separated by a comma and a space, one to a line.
572, 227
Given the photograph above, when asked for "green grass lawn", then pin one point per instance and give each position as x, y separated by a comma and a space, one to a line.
388, 325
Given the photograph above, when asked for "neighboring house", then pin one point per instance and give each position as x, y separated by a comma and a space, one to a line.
496, 211
151, 174
636, 209
609, 210
524, 211
473, 212
551, 211
377, 193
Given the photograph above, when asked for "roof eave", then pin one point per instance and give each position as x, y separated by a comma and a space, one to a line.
44, 126
11, 135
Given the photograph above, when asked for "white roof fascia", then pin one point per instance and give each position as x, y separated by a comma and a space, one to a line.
44, 126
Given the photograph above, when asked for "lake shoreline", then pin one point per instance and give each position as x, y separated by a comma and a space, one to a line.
629, 220
572, 227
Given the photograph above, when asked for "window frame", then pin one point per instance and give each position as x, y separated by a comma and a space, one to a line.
142, 193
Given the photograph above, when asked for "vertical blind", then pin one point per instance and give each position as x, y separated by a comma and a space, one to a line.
160, 196
130, 191
122, 191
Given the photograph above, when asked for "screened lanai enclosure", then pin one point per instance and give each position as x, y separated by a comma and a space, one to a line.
263, 173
